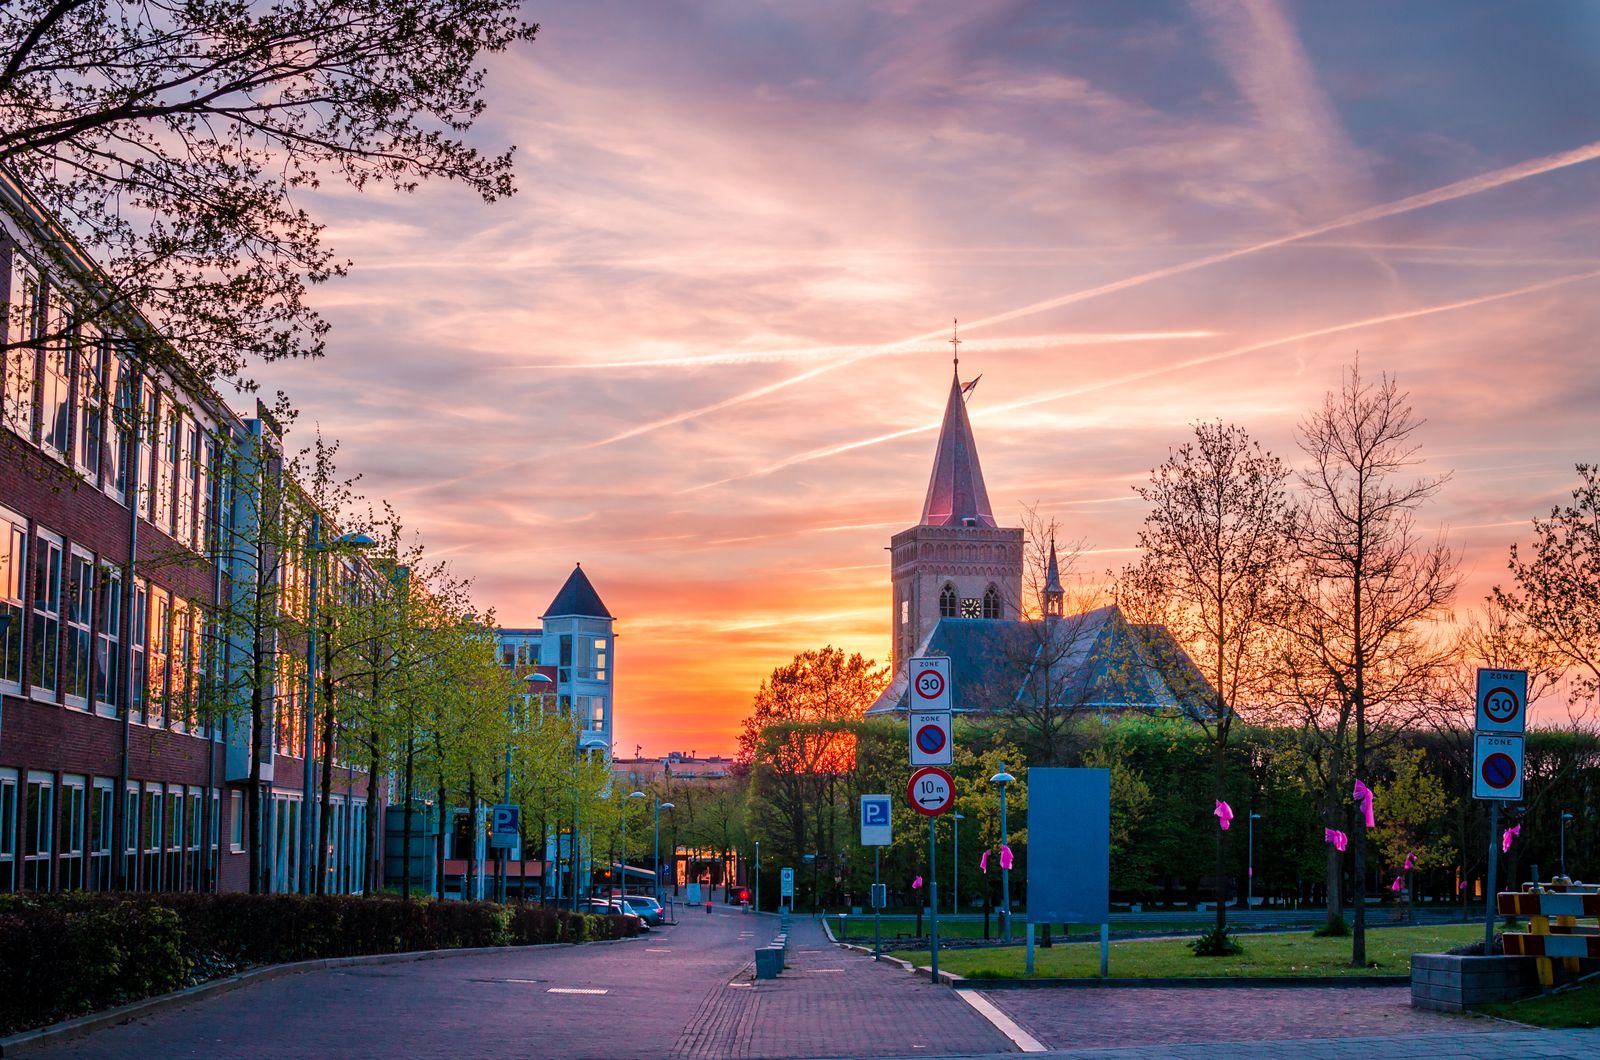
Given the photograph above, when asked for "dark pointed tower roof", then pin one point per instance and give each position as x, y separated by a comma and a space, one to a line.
577, 597
955, 492
1054, 595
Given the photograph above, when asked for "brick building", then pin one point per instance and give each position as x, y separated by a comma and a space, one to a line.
122, 762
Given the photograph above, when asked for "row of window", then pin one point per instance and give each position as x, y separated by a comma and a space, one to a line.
952, 605
592, 655
70, 648
346, 861
56, 833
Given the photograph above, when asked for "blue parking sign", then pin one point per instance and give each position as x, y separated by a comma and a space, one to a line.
505, 822
876, 829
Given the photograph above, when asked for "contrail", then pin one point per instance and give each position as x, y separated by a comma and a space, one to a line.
1448, 193
1134, 377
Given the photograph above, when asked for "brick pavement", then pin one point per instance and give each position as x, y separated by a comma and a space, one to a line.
834, 1002
1546, 1045
1086, 1017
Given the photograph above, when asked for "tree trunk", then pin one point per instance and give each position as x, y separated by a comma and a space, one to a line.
325, 796
469, 876
374, 874
438, 846
1220, 765
252, 815
405, 829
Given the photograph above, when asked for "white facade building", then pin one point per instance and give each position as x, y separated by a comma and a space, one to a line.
576, 647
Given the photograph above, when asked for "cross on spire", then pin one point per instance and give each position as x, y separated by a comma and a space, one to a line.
955, 347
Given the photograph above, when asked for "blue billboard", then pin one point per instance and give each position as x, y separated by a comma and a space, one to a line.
1069, 846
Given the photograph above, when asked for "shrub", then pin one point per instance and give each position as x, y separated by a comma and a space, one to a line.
1333, 929
1216, 943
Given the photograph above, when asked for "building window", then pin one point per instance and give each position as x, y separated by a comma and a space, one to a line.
8, 830
39, 832
153, 821
80, 645
160, 639
949, 605
130, 836
138, 633
93, 364
47, 618
905, 612
108, 642
991, 602
178, 672
23, 320
100, 803
508, 655
145, 426
236, 821
599, 659
13, 565
74, 806
597, 713
55, 395
564, 674
119, 429
188, 476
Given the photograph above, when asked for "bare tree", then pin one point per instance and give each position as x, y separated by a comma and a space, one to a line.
1358, 659
1215, 542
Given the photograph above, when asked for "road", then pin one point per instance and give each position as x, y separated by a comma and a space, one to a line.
681, 991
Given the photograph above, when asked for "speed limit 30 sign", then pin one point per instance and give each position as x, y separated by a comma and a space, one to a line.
1502, 700
930, 683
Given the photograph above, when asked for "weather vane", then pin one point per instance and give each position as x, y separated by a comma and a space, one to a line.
955, 346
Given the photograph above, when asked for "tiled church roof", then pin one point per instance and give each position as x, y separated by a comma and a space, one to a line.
955, 492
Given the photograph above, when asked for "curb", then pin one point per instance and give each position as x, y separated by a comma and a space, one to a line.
1228, 982
82, 1025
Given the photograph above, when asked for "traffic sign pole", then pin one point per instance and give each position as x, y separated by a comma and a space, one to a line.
877, 910
1494, 857
933, 897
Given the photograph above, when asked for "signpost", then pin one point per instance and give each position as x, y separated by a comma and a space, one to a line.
786, 887
930, 738
505, 825
877, 832
1497, 762
931, 792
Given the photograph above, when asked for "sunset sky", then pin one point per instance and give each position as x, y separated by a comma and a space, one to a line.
703, 352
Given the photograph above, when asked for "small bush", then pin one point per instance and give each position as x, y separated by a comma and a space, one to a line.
1216, 943
1335, 928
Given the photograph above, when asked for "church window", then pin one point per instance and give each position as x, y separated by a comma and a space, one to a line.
905, 612
991, 602
948, 606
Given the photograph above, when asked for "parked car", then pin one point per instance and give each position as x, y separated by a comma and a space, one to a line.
602, 907
646, 907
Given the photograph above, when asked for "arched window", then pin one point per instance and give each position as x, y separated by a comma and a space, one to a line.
991, 602
949, 605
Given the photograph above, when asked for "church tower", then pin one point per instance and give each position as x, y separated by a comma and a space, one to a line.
956, 562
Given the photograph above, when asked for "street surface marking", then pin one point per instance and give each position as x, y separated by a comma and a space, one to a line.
575, 990
647, 949
521, 980
827, 969
1002, 1023
741, 984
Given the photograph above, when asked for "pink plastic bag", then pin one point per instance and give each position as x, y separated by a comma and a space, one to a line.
1224, 814
983, 862
1508, 837
1006, 860
1363, 795
1336, 837
916, 883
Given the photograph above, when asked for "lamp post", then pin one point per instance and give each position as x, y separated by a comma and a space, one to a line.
314, 546
625, 804
1250, 869
659, 807
1004, 779
1565, 817
955, 863
758, 875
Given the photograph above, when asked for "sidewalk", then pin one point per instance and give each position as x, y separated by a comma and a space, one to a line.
1545, 1045
832, 1002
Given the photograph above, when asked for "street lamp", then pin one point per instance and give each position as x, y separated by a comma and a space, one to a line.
1565, 817
758, 876
1250, 871
1004, 779
315, 545
659, 807
955, 859
626, 803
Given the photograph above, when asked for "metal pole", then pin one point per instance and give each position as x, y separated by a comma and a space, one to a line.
656, 858
933, 896
758, 872
1489, 903
623, 872
1565, 817
309, 780
1250, 870
1005, 873
955, 864
877, 910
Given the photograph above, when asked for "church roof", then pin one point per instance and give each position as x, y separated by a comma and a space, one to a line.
1052, 573
956, 496
1094, 662
577, 597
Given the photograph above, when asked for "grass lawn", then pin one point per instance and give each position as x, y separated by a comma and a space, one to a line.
859, 928
1578, 1007
1389, 952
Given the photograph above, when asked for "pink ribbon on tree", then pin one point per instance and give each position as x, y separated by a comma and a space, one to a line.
1397, 886
1411, 859
1508, 837
1363, 795
1006, 861
916, 883
983, 862
1336, 837
1224, 814
1464, 885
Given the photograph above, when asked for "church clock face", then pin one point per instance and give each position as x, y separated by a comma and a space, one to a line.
971, 608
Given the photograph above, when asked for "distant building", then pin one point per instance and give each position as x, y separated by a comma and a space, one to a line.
677, 765
576, 645
957, 591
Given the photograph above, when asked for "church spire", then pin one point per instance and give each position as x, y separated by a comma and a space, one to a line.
956, 496
1054, 595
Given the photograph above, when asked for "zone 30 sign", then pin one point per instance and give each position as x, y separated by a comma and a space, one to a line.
930, 683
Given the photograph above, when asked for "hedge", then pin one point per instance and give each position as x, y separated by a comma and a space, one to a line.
62, 955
